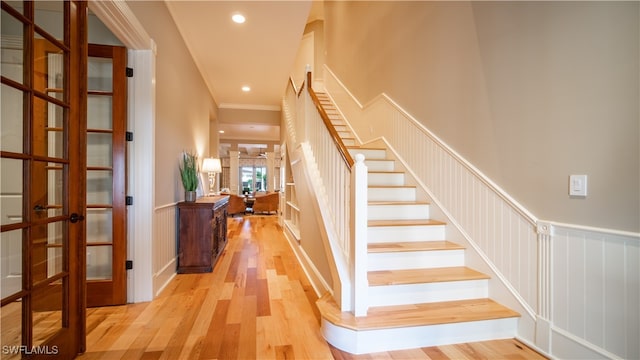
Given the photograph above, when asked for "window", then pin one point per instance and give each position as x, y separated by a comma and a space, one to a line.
253, 178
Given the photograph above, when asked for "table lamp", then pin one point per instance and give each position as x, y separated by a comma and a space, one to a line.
211, 166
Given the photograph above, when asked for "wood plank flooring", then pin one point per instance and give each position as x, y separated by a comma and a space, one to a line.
256, 304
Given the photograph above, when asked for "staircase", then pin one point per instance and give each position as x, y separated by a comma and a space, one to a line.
420, 291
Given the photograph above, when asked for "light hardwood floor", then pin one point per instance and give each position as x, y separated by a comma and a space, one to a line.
256, 304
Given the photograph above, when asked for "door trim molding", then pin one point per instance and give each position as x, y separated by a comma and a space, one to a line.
118, 18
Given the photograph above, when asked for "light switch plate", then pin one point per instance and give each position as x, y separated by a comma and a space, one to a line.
578, 185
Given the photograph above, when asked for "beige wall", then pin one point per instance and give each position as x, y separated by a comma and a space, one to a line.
529, 93
184, 106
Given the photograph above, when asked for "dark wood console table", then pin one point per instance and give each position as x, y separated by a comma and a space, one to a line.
202, 233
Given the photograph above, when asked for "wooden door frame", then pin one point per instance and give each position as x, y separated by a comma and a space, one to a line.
114, 291
141, 121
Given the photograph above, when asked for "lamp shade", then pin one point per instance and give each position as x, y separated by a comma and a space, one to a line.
211, 165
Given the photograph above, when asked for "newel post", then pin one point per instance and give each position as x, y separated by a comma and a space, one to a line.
359, 245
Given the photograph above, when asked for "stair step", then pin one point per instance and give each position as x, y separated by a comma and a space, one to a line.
414, 255
416, 276
380, 231
391, 193
385, 317
369, 153
397, 210
412, 222
383, 178
380, 164
413, 246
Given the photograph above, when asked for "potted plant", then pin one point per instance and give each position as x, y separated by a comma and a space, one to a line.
189, 175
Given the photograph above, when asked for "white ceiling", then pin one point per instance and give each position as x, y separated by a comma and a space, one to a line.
259, 53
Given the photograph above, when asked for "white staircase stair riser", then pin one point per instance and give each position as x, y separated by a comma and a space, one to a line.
381, 234
391, 194
344, 133
385, 178
398, 211
415, 259
349, 142
379, 340
379, 165
388, 295
371, 154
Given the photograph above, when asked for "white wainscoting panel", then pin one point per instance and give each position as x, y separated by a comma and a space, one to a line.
596, 288
164, 246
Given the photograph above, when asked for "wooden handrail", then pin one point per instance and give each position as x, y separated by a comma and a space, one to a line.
293, 85
344, 152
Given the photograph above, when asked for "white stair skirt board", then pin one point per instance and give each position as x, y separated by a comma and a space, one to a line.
395, 211
378, 234
385, 178
415, 259
391, 194
388, 295
371, 154
379, 165
378, 340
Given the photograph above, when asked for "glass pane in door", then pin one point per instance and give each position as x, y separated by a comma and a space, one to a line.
99, 262
51, 131
99, 114
11, 119
12, 48
11, 189
47, 311
11, 265
99, 225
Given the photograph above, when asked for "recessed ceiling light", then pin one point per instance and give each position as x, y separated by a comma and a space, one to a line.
238, 18
246, 88
221, 131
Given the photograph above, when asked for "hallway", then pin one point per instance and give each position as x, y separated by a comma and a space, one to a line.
257, 304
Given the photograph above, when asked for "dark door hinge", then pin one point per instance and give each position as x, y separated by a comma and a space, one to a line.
129, 200
129, 72
129, 136
129, 264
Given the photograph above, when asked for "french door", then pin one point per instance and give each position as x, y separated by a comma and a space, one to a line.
42, 188
106, 178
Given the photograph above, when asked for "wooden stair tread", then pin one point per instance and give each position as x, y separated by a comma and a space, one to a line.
413, 246
387, 317
404, 222
419, 276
